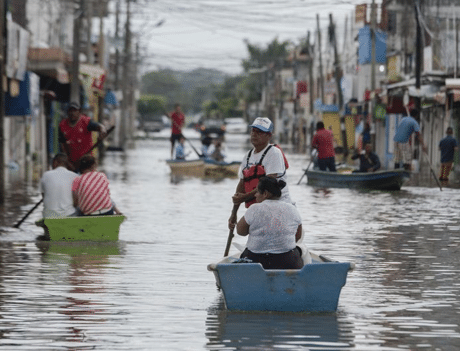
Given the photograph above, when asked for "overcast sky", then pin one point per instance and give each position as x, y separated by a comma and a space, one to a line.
211, 33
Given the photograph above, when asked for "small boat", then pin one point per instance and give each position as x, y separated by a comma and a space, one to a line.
94, 228
214, 168
249, 287
187, 167
380, 180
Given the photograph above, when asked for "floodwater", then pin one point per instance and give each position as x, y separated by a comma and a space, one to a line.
152, 291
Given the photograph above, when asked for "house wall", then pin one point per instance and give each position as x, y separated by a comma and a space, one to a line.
50, 23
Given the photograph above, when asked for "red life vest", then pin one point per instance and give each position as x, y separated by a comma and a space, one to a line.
286, 163
251, 175
78, 138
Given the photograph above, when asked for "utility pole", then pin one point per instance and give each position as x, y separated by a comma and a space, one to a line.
117, 52
456, 42
373, 44
418, 56
89, 24
310, 72
373, 28
337, 72
125, 110
320, 59
2, 96
338, 77
75, 68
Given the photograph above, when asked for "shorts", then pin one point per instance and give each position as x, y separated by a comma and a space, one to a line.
403, 152
286, 260
174, 138
327, 163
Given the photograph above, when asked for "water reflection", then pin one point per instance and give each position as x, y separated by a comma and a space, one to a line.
54, 293
273, 331
151, 290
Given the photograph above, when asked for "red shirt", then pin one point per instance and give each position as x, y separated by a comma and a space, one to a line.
78, 138
178, 120
92, 191
323, 141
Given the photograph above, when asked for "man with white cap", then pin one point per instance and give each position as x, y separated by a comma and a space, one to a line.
264, 159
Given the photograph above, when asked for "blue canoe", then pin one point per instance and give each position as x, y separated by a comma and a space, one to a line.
380, 180
248, 287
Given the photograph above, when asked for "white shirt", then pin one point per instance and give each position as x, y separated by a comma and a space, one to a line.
272, 226
56, 185
273, 163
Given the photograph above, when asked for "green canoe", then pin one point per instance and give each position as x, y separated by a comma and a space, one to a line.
94, 228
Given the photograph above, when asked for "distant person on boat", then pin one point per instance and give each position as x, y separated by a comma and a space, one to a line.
75, 133
90, 190
216, 150
403, 148
178, 121
206, 143
273, 226
56, 188
368, 160
263, 160
323, 141
366, 135
180, 149
447, 146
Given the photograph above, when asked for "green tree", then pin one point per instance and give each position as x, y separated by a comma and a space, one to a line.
273, 55
150, 106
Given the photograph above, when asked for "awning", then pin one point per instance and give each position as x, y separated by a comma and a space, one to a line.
49, 62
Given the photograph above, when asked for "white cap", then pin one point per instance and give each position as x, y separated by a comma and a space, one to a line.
263, 123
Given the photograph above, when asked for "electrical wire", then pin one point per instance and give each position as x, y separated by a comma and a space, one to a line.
222, 21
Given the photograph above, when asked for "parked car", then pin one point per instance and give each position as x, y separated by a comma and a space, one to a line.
236, 125
212, 126
155, 124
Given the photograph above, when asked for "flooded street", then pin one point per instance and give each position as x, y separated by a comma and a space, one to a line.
151, 289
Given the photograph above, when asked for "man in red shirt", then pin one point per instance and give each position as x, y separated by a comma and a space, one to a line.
323, 141
75, 134
178, 120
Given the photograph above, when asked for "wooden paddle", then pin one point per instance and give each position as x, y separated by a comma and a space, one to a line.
28, 213
41, 200
305, 172
432, 171
311, 161
230, 234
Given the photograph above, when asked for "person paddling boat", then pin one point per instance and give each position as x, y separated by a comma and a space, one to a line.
264, 159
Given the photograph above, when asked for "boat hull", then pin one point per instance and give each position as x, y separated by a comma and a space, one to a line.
187, 167
380, 180
314, 288
221, 169
94, 228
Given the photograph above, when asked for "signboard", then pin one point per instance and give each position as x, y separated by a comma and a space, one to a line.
360, 13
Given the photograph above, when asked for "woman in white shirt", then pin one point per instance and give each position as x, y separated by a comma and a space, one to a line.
273, 227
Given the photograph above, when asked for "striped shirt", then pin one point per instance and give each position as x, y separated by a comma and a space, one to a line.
92, 192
